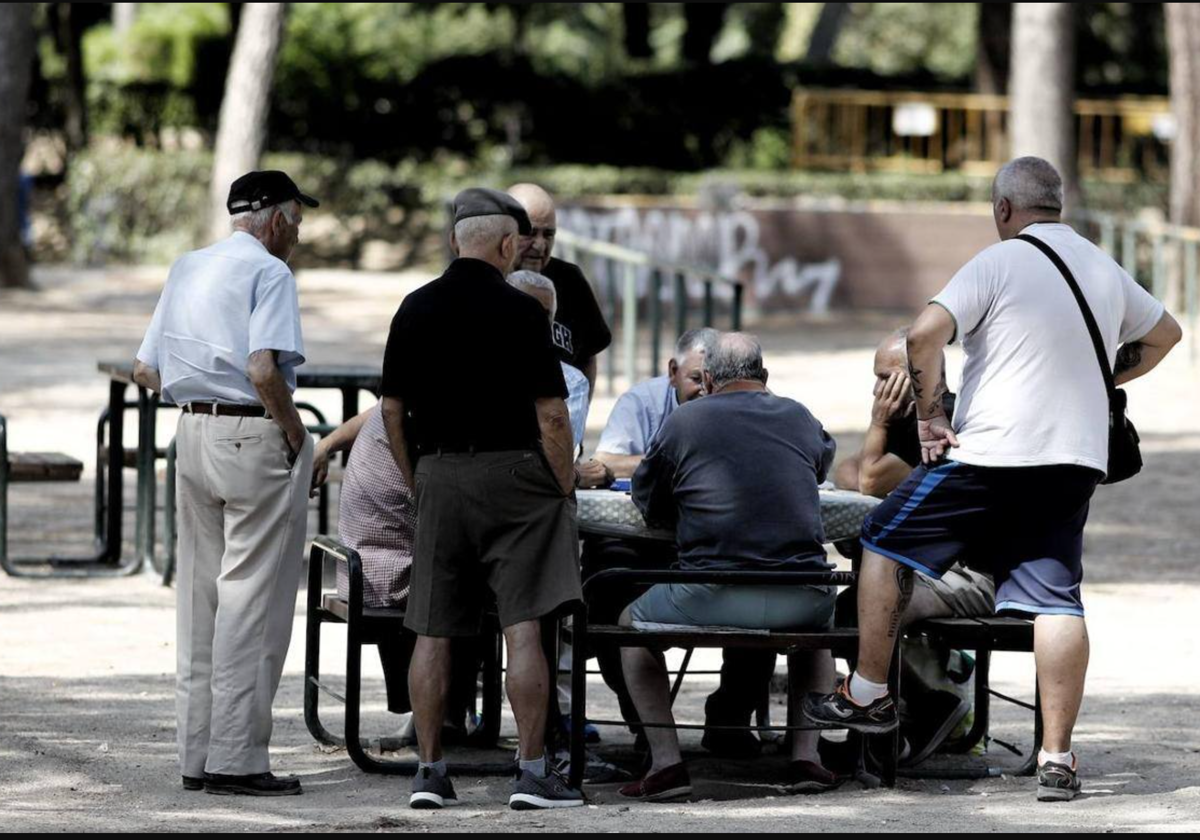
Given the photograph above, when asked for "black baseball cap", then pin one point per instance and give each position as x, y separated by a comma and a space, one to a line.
480, 201
256, 190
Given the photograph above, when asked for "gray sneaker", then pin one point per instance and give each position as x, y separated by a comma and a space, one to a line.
1057, 783
431, 792
532, 793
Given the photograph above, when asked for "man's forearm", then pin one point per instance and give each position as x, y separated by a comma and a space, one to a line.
275, 396
559, 447
925, 371
342, 438
622, 466
1136, 359
393, 422
147, 376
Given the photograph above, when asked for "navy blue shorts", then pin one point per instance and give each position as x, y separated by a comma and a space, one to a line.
1023, 525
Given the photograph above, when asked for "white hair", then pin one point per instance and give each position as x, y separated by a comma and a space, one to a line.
481, 232
526, 280
254, 222
696, 341
1029, 183
734, 357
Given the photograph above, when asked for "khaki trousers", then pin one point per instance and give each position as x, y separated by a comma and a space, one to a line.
243, 514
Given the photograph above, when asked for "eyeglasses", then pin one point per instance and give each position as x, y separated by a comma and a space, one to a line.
545, 233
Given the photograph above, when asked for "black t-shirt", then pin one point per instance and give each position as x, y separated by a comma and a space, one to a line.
468, 355
903, 439
737, 474
580, 331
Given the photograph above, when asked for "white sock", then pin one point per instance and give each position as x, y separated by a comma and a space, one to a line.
1066, 759
864, 692
537, 766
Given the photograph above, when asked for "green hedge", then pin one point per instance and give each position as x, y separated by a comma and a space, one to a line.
125, 204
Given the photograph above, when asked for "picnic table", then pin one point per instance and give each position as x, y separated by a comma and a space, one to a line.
350, 380
611, 513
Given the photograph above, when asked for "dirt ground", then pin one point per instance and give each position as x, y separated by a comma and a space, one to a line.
86, 667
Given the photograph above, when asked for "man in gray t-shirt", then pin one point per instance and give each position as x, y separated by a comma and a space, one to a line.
737, 474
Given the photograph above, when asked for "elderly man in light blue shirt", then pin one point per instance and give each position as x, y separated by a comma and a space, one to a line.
642, 411
223, 345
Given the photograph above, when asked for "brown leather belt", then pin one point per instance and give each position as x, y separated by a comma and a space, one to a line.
219, 410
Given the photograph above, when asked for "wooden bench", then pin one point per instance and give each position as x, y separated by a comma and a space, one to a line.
366, 626
28, 468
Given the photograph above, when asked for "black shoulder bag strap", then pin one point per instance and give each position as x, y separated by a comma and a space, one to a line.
1124, 457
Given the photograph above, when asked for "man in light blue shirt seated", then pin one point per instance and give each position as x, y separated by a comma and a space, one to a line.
641, 412
587, 473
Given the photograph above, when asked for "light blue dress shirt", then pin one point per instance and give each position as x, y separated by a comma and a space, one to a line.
637, 417
577, 401
220, 305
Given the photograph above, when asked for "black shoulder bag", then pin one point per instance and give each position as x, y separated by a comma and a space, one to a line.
1124, 456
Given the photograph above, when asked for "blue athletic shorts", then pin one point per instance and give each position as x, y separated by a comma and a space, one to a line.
1023, 525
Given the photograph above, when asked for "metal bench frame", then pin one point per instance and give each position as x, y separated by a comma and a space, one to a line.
99, 564
983, 636
364, 626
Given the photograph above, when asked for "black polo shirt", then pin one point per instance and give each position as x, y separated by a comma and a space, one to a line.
580, 331
468, 355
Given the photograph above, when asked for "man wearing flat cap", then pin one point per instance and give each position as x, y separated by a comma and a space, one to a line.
224, 345
494, 488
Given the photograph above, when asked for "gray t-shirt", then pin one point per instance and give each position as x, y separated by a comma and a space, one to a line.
737, 474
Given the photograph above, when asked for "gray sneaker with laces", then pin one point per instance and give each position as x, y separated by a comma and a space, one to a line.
1057, 783
431, 792
532, 793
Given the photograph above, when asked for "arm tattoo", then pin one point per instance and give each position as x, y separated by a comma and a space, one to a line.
914, 377
1128, 357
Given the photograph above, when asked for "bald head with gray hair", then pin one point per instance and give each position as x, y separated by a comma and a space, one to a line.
1030, 184
734, 357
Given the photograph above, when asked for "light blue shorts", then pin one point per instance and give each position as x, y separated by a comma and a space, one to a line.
751, 607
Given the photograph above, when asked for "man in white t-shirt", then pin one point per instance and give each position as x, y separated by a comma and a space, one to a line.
1026, 449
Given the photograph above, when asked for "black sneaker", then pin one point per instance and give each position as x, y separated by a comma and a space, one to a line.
839, 711
259, 784
532, 793
431, 792
1057, 782
193, 783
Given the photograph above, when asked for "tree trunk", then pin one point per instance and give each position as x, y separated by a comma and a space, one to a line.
704, 24
825, 34
1183, 40
995, 44
123, 16
241, 133
637, 30
70, 39
1042, 89
16, 64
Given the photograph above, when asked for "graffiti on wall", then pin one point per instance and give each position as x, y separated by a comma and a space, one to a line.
728, 241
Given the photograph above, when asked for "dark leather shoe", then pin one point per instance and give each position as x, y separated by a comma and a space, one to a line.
192, 783
260, 784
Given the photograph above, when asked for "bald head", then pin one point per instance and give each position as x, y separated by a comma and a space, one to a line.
538, 247
734, 357
892, 354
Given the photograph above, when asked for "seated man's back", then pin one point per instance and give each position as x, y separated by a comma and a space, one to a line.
738, 473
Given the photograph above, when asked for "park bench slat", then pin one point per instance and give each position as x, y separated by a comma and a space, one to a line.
43, 467
339, 607
717, 637
992, 632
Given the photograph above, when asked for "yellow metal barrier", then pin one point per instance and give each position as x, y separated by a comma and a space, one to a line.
859, 131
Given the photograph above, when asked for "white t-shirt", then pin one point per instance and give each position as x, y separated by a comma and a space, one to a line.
220, 305
1032, 392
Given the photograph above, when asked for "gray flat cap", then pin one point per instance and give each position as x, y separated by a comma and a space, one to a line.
480, 201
